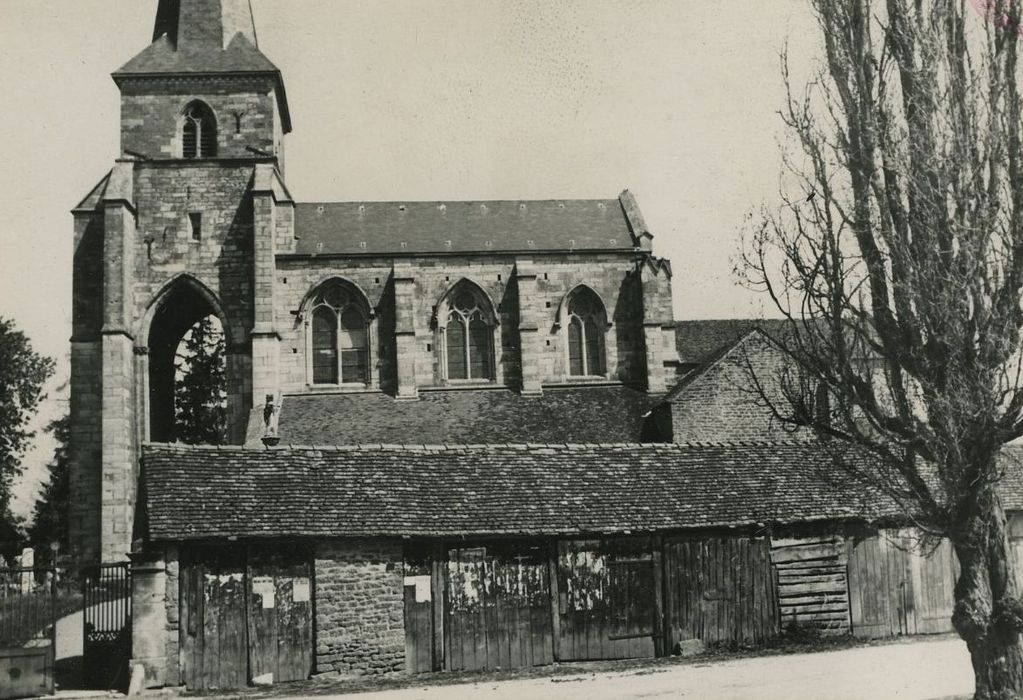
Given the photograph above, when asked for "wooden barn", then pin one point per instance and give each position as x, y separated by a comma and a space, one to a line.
272, 565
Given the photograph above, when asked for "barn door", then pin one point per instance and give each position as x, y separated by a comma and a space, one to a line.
935, 574
419, 611
212, 628
606, 599
881, 592
280, 615
498, 607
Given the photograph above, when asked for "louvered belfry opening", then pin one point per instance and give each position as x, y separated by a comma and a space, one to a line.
199, 131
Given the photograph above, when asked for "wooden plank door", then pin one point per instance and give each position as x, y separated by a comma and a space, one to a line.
934, 580
881, 585
606, 599
419, 601
280, 615
869, 588
212, 613
498, 607
720, 589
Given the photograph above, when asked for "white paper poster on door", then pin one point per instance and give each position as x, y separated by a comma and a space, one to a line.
300, 591
263, 586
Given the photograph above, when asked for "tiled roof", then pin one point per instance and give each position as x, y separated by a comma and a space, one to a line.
194, 493
701, 341
580, 414
365, 228
1010, 488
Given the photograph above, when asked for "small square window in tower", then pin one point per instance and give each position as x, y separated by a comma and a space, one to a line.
195, 223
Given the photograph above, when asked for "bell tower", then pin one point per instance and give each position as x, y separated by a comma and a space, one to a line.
183, 227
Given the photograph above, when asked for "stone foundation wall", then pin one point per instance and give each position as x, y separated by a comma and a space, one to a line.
360, 625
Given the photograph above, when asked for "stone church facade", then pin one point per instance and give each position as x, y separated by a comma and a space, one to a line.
336, 302
461, 435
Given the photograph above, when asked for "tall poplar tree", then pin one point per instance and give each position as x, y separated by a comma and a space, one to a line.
200, 391
897, 255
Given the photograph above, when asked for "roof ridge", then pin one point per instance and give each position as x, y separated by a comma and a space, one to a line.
477, 447
553, 200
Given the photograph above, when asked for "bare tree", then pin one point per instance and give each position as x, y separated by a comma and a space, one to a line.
897, 256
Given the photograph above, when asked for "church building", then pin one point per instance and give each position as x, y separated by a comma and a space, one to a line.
450, 424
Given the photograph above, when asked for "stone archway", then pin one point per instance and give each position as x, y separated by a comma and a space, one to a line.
181, 306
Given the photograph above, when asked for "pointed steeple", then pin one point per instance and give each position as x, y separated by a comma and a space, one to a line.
204, 24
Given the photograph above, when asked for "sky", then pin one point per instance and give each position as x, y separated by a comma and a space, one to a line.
446, 100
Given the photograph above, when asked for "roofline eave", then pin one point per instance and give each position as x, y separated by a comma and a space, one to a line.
460, 253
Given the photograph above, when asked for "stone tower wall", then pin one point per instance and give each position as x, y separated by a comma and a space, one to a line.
245, 109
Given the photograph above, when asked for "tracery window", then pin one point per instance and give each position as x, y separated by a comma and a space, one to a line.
340, 338
587, 323
468, 335
198, 131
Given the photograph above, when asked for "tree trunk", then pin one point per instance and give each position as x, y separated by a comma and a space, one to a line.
988, 614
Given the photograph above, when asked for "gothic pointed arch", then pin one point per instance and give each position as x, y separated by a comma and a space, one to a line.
180, 304
467, 324
198, 131
338, 318
582, 318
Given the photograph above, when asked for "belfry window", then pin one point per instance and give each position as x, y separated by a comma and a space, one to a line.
340, 338
587, 323
468, 335
198, 131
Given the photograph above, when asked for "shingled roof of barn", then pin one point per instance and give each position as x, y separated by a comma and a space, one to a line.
479, 490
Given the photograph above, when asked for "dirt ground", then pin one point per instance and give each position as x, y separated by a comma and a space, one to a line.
928, 669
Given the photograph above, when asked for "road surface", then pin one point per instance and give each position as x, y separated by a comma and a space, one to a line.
917, 670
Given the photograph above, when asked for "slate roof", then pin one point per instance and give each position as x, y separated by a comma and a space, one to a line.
163, 58
196, 493
368, 228
579, 414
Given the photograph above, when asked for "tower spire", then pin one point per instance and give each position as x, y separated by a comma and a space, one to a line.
204, 24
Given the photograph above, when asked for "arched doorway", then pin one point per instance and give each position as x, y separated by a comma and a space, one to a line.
185, 309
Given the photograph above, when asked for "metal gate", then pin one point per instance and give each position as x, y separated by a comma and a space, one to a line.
27, 616
106, 651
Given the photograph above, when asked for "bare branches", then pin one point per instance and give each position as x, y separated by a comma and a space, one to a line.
898, 258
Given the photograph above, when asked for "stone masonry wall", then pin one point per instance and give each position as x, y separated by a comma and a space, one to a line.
723, 405
86, 387
245, 111
221, 260
609, 275
360, 619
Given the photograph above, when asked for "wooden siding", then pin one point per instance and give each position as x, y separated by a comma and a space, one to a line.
246, 615
279, 588
213, 629
719, 590
812, 585
607, 600
498, 607
898, 587
419, 610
